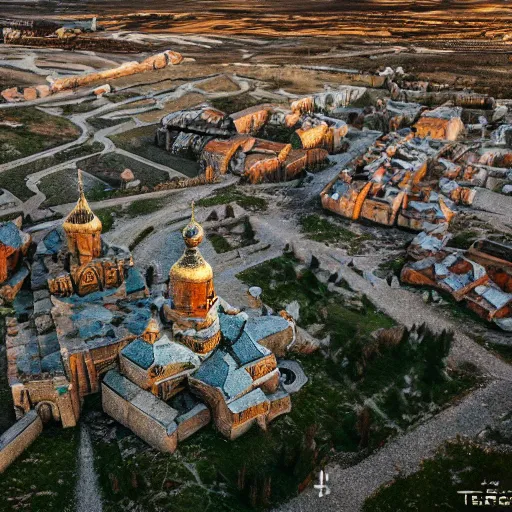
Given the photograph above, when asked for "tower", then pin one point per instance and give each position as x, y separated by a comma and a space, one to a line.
83, 230
191, 277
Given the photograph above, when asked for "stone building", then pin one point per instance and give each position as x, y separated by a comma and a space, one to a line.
166, 364
14, 245
89, 265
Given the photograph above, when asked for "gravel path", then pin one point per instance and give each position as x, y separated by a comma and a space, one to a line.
350, 487
87, 492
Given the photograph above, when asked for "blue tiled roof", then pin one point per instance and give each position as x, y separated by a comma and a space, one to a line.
231, 326
140, 353
255, 397
51, 243
221, 371
214, 370
52, 363
246, 350
261, 327
137, 320
135, 282
10, 235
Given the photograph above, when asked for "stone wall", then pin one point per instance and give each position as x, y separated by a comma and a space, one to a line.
19, 437
146, 416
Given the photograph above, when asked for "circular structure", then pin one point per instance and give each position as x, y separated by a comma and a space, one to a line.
292, 376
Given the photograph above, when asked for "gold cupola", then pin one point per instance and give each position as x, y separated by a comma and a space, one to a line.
83, 229
191, 277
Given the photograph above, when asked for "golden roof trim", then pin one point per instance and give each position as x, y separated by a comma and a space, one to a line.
81, 216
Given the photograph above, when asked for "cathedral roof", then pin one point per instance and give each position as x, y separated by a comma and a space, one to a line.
192, 267
10, 235
82, 219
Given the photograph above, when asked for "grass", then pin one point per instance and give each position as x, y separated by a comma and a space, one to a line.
391, 267
464, 239
14, 179
233, 104
100, 123
232, 194
107, 217
6, 404
221, 244
39, 132
117, 97
140, 207
141, 141
321, 229
458, 466
378, 369
143, 207
79, 108
43, 478
110, 166
61, 188
141, 237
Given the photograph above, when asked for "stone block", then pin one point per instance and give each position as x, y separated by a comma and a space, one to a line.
30, 94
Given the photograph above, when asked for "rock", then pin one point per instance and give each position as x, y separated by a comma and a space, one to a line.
507, 190
127, 175
326, 342
30, 93
133, 184
305, 343
44, 324
12, 95
374, 280
395, 283
100, 91
435, 296
293, 309
174, 58
43, 307
499, 113
426, 297
43, 91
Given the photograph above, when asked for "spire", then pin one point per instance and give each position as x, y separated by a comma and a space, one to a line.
81, 214
80, 185
193, 232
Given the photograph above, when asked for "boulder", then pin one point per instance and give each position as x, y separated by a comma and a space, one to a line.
43, 91
11, 95
100, 91
127, 175
133, 184
30, 94
305, 343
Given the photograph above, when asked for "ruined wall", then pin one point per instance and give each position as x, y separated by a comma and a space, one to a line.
130, 414
159, 61
18, 438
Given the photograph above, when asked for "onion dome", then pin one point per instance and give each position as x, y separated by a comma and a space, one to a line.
192, 267
152, 331
82, 219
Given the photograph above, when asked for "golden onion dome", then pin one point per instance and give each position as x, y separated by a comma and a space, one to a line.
192, 267
152, 327
82, 219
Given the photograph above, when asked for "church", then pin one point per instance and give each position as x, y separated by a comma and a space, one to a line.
166, 360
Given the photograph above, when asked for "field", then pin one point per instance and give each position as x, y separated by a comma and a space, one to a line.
26, 131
